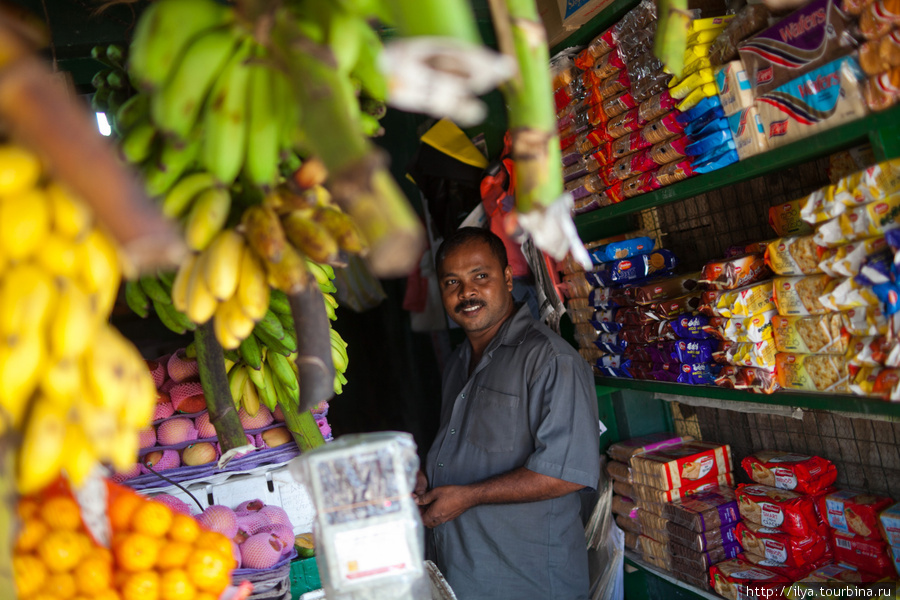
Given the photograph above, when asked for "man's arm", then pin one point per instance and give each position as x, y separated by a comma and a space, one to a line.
447, 502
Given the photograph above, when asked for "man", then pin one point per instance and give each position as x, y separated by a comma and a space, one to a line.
518, 439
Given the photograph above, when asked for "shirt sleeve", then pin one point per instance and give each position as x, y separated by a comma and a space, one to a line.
567, 438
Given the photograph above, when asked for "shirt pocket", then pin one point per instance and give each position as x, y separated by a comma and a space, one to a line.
493, 422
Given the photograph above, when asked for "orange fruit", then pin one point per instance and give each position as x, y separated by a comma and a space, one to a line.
122, 509
92, 575
60, 585
174, 584
209, 570
173, 555
109, 594
61, 550
136, 552
152, 518
61, 512
27, 507
213, 540
141, 586
205, 596
29, 574
33, 531
184, 528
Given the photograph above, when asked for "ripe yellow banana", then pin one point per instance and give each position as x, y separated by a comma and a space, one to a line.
201, 305
43, 444
71, 217
58, 255
98, 424
107, 369
124, 447
27, 297
290, 274
237, 375
231, 322
182, 280
24, 222
264, 233
250, 398
207, 217
79, 458
309, 237
61, 381
252, 289
342, 228
19, 169
73, 322
21, 361
223, 263
101, 269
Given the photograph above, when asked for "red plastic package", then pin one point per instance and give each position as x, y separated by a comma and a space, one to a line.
787, 471
633, 165
657, 106
780, 547
868, 555
641, 184
624, 124
733, 577
855, 513
618, 104
614, 84
791, 512
792, 573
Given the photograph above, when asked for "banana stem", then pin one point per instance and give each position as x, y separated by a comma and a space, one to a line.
303, 427
442, 18
46, 118
314, 364
222, 415
7, 509
529, 99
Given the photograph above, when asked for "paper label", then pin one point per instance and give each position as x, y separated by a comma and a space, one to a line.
770, 514
372, 552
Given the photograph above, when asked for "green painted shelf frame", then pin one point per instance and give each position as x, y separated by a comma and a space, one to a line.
845, 403
882, 130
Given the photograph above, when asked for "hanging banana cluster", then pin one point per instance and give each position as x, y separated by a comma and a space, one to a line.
112, 87
74, 387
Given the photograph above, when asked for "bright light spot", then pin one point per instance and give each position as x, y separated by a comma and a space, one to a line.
103, 124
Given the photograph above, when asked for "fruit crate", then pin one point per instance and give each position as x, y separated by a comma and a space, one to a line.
268, 584
304, 577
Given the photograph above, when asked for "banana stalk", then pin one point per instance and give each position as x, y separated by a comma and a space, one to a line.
314, 363
529, 101
222, 414
302, 426
442, 18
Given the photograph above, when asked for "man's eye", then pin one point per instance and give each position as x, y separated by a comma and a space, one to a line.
481, 276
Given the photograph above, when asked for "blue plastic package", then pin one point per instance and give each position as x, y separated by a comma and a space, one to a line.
606, 326
710, 143
694, 351
877, 268
721, 160
699, 373
611, 342
711, 127
693, 127
889, 294
690, 326
700, 109
627, 270
624, 249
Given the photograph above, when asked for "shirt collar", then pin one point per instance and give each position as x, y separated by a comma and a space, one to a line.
512, 332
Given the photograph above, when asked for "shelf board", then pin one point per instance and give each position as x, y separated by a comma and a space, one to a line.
635, 560
821, 144
845, 403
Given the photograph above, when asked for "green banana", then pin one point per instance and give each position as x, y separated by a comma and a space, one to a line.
164, 33
133, 111
263, 125
257, 376
273, 344
267, 392
136, 299
288, 397
137, 145
232, 355
323, 274
99, 79
115, 54
176, 108
179, 197
251, 352
170, 163
225, 118
366, 69
100, 98
166, 319
236, 378
173, 315
98, 53
117, 80
279, 303
342, 37
281, 368
154, 289
339, 352
287, 321
271, 325
329, 309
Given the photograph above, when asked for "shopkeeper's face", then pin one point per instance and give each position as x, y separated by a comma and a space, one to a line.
476, 291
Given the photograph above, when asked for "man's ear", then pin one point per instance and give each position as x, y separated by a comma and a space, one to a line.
508, 276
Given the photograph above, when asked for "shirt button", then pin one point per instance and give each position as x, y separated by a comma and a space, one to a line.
462, 396
441, 465
452, 432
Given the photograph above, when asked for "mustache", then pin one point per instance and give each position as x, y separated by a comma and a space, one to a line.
467, 304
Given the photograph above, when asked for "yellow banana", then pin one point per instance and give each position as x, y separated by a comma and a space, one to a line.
73, 322
232, 323
207, 217
101, 269
342, 228
223, 263
264, 233
201, 303
180, 285
290, 274
24, 222
79, 459
97, 423
43, 444
124, 448
27, 296
309, 237
138, 411
20, 366
19, 169
107, 369
71, 217
61, 381
236, 378
59, 256
252, 289
250, 398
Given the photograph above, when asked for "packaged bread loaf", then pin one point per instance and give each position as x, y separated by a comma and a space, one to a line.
817, 334
673, 467
789, 471
704, 511
732, 578
812, 372
800, 295
624, 450
855, 513
701, 541
780, 547
793, 513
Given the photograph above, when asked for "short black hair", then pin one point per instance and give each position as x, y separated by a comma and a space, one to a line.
464, 235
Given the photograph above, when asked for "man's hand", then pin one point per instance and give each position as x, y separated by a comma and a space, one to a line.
445, 503
421, 486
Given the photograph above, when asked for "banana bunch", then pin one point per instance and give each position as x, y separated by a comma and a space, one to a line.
71, 385
112, 86
155, 292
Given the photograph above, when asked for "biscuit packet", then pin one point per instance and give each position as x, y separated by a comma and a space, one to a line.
818, 207
812, 372
651, 494
796, 574
889, 521
757, 328
788, 471
739, 579
800, 295
876, 382
817, 334
760, 355
855, 513
785, 219
734, 272
700, 562
623, 451
713, 509
676, 466
622, 505
752, 300
619, 471
847, 294
846, 260
881, 180
629, 524
871, 555
791, 512
701, 541
761, 381
662, 288
869, 351
779, 547
795, 256
868, 220
865, 321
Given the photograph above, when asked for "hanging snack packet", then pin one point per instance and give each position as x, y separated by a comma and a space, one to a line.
787, 471
818, 334
735, 272
812, 372
794, 256
847, 294
785, 219
865, 321
847, 260
791, 512
800, 295
868, 220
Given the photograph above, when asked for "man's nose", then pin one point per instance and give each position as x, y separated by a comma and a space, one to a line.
466, 290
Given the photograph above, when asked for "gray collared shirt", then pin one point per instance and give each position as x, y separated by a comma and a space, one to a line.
529, 402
